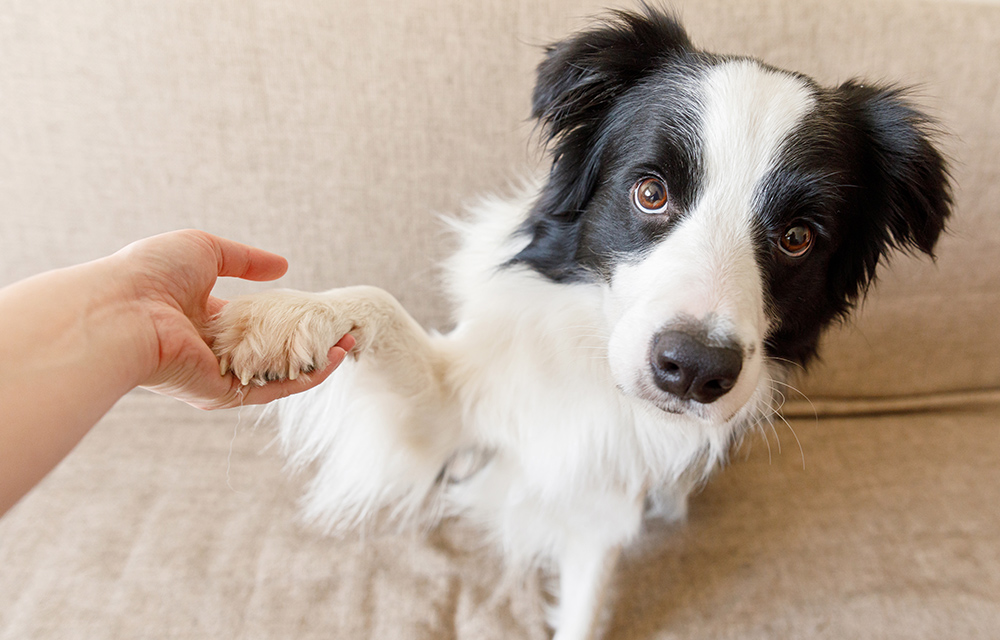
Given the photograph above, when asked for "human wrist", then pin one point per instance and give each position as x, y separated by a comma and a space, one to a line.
119, 320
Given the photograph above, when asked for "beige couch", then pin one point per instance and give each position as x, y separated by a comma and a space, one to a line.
335, 133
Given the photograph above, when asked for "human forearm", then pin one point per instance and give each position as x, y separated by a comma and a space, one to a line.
70, 345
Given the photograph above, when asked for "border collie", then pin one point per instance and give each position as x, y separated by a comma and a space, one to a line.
620, 323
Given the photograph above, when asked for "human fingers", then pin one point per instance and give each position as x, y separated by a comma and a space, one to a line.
239, 260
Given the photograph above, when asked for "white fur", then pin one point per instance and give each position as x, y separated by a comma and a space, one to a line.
538, 405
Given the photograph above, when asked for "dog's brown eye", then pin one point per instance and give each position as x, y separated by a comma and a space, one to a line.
796, 240
650, 196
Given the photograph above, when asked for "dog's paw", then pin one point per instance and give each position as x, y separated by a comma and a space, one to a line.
275, 335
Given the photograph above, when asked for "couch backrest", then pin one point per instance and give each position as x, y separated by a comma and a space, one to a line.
336, 132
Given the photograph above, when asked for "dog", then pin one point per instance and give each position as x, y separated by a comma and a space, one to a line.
621, 322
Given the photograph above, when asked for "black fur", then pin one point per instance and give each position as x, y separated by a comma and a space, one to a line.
617, 103
862, 169
579, 83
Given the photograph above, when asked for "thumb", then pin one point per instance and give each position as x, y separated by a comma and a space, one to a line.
239, 260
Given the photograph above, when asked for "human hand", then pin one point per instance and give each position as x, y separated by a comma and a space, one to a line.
168, 279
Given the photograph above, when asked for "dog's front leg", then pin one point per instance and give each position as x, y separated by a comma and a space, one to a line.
586, 569
283, 334
379, 433
587, 564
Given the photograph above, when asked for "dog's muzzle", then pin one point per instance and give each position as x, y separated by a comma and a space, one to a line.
686, 367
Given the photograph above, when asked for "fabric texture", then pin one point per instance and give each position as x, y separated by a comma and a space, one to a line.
336, 133
170, 523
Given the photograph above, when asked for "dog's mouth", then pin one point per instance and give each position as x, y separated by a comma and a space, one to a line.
665, 402
667, 405
675, 406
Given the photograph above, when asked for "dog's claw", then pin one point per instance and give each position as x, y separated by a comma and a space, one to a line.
245, 378
224, 364
292, 373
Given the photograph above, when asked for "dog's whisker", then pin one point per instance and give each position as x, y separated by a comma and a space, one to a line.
802, 453
798, 365
769, 407
767, 441
775, 432
803, 396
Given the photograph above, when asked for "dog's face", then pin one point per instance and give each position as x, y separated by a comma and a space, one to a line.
732, 209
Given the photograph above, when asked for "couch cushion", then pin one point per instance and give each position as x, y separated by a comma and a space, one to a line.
171, 523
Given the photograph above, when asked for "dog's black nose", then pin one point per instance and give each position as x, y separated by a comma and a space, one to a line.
688, 368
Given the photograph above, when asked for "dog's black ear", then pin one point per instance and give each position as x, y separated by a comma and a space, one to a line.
581, 76
904, 199
578, 83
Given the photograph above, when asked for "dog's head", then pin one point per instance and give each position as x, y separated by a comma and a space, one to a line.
732, 209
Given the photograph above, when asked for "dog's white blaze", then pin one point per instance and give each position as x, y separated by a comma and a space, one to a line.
706, 269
